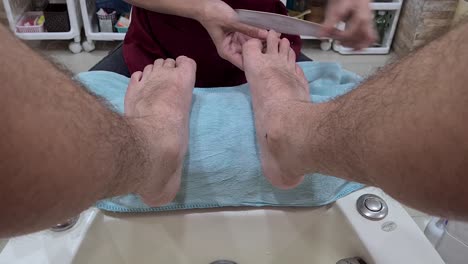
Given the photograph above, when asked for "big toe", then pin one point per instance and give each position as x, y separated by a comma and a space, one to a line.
186, 64
132, 89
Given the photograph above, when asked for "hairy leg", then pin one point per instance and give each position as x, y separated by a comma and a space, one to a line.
163, 92
61, 149
274, 79
404, 130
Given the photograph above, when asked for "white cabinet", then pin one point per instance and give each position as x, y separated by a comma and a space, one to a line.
393, 9
90, 22
15, 9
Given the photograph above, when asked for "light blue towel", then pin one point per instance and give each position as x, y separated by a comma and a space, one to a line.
222, 167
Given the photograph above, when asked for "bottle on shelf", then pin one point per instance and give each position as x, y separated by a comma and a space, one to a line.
381, 20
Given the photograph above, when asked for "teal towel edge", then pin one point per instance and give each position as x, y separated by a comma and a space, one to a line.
111, 207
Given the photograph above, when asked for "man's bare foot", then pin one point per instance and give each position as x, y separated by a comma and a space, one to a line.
158, 101
277, 85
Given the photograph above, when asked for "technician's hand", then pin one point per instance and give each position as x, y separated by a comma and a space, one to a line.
228, 34
357, 15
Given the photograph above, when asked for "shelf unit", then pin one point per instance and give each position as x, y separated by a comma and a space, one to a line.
395, 8
88, 11
14, 9
325, 44
90, 22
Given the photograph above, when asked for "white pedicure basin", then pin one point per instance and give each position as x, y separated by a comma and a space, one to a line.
239, 235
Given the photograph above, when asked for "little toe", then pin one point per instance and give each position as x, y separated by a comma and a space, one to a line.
135, 80
147, 72
133, 87
284, 47
136, 77
169, 63
291, 57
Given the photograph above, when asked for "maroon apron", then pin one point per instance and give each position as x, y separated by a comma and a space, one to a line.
153, 35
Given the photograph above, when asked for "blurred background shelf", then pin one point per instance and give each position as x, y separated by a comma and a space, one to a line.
387, 13
395, 5
15, 9
391, 11
91, 26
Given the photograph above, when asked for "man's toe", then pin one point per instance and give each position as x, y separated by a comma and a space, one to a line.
136, 77
285, 45
252, 48
169, 63
186, 63
159, 62
147, 72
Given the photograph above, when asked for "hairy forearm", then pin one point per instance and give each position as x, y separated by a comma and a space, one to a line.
194, 9
405, 129
61, 149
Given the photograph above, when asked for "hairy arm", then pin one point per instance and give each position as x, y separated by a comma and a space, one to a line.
404, 130
60, 148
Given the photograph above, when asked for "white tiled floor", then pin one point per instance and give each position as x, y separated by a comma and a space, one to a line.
363, 65
76, 63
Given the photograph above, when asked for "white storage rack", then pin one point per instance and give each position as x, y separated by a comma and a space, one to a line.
90, 22
395, 9
14, 10
88, 11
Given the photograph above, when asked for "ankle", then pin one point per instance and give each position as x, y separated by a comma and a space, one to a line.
283, 135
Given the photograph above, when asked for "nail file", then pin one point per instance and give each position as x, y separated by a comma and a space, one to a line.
279, 23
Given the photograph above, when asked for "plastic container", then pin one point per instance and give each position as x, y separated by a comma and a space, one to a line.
29, 29
121, 29
15, 9
107, 22
56, 18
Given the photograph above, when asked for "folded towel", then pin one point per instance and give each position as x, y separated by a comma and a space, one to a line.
222, 167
